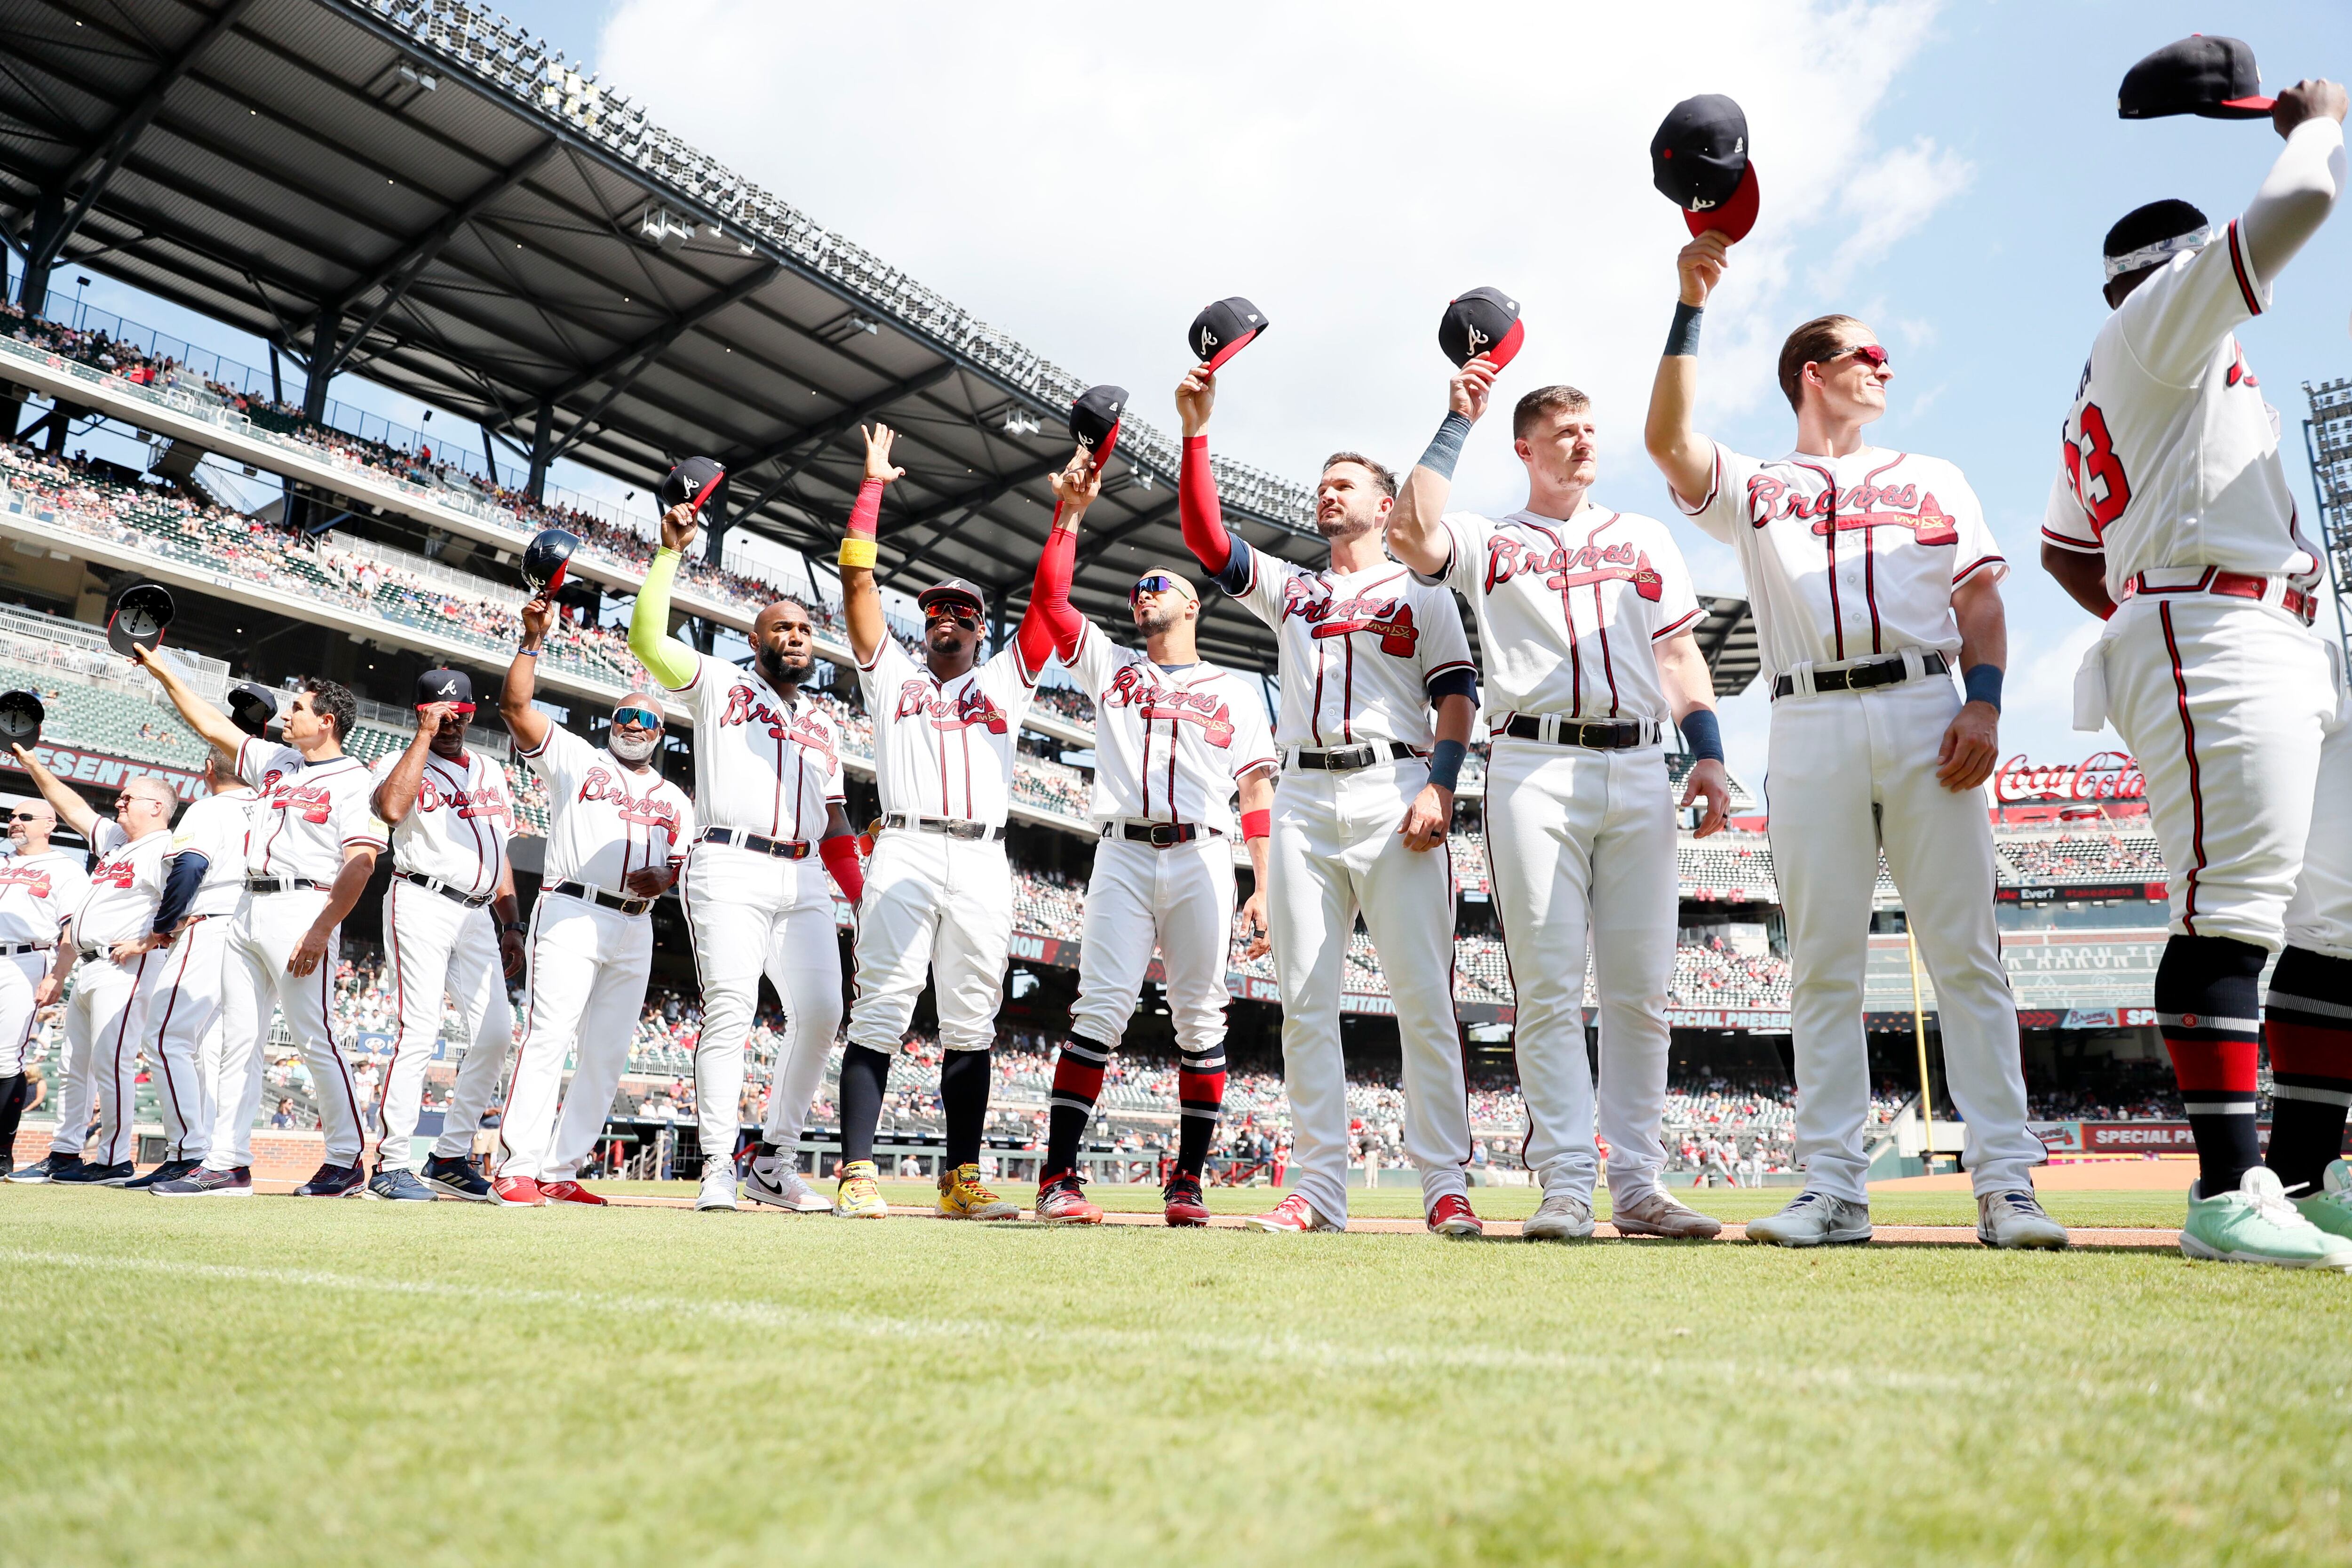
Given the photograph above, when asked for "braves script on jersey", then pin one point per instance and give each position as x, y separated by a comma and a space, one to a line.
214, 826
308, 814
2169, 455
1357, 650
762, 763
1567, 611
125, 885
37, 893
605, 820
945, 748
1848, 557
458, 830
1169, 743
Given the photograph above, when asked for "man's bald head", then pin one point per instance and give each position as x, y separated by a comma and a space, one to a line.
30, 823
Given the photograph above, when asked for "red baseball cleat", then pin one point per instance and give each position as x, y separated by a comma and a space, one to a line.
1062, 1201
1294, 1215
1185, 1204
1451, 1215
516, 1193
569, 1193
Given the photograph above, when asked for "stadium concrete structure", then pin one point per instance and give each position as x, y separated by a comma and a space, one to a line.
422, 196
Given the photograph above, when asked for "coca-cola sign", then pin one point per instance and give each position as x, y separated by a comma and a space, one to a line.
2101, 775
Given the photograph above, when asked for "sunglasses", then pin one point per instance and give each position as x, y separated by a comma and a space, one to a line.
24, 816
1156, 583
644, 718
967, 619
1871, 354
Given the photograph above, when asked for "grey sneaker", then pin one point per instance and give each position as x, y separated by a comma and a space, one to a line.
1655, 1214
399, 1186
2016, 1219
1562, 1216
1815, 1219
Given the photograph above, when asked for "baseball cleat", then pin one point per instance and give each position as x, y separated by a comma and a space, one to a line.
718, 1186
2330, 1208
1562, 1216
83, 1174
2016, 1220
1294, 1215
569, 1192
169, 1171
516, 1193
781, 1187
963, 1197
43, 1170
392, 1184
2257, 1224
859, 1195
333, 1181
1062, 1200
1451, 1215
1183, 1204
1814, 1220
1655, 1214
203, 1182
453, 1177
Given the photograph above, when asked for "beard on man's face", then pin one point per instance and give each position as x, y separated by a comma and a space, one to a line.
1154, 621
779, 667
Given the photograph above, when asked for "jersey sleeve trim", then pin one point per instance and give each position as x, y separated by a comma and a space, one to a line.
2067, 542
1714, 484
2241, 268
1978, 564
1672, 627
366, 838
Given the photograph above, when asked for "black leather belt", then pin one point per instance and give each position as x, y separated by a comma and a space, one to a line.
281, 885
436, 885
1348, 759
1597, 734
782, 848
1862, 675
953, 826
13, 949
587, 894
1158, 835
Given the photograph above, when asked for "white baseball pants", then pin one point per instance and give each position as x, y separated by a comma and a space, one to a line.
18, 974
1838, 761
1180, 897
588, 970
752, 915
104, 1023
2225, 703
1583, 840
939, 906
182, 1038
262, 936
440, 948
1335, 851
2319, 917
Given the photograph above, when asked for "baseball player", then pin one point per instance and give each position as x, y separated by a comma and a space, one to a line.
1873, 575
1173, 739
2172, 519
768, 793
938, 891
1586, 615
1366, 793
617, 835
450, 924
40, 888
113, 934
312, 848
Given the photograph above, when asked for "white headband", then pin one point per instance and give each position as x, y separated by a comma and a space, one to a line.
2149, 255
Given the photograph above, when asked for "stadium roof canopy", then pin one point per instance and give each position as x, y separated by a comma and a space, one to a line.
419, 190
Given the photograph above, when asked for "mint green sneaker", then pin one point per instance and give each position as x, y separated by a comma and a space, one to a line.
2256, 1223
2331, 1207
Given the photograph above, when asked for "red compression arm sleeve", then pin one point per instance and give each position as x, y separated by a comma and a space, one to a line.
1197, 509
866, 515
840, 853
1052, 625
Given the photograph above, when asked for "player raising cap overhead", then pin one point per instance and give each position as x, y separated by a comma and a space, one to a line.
2171, 518
40, 888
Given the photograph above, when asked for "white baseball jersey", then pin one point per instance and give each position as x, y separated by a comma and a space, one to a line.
607, 819
946, 747
126, 883
1171, 743
1568, 611
2169, 455
457, 831
762, 764
1848, 557
1357, 650
308, 814
214, 826
37, 893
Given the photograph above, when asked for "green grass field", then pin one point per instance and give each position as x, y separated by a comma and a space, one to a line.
284, 1382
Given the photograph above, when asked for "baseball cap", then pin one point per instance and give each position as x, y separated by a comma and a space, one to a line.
690, 483
1223, 330
251, 707
445, 686
1698, 161
546, 556
21, 716
953, 588
139, 617
1094, 420
2214, 78
1482, 321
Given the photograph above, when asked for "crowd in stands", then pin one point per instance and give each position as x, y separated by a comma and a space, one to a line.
2070, 856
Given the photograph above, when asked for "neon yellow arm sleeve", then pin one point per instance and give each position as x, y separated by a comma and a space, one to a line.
672, 662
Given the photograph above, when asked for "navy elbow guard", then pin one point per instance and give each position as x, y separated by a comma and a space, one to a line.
1445, 763
1704, 734
1983, 684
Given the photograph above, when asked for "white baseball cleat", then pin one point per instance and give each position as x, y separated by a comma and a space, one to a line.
781, 1187
1562, 1216
718, 1186
2016, 1219
1655, 1214
1815, 1219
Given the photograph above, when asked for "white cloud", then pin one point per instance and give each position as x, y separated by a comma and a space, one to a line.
1886, 199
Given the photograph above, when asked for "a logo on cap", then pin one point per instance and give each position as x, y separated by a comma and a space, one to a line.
448, 689
1208, 338
1478, 339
